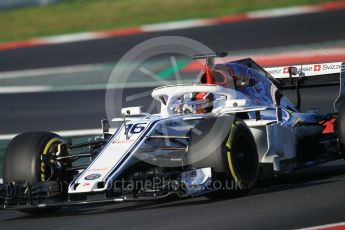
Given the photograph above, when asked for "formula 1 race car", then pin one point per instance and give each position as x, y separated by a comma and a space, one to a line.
213, 138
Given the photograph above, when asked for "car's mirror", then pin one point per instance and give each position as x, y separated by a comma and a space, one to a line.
236, 103
131, 111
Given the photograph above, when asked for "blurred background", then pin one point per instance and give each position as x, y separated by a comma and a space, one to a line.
22, 19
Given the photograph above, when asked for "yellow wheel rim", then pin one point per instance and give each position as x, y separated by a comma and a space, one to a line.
45, 151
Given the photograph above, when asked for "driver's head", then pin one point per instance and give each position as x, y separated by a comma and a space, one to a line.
205, 104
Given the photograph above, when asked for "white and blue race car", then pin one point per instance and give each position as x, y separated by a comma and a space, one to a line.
213, 138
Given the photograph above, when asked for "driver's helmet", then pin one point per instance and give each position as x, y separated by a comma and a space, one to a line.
204, 102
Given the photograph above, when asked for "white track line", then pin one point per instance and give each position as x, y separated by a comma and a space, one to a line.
67, 133
175, 25
70, 38
49, 71
24, 89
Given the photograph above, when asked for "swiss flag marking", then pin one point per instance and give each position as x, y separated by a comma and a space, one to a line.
286, 70
317, 67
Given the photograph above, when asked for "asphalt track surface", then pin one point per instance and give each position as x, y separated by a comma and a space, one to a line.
308, 197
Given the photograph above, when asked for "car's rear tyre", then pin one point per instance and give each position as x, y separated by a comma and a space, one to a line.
241, 156
235, 163
23, 160
241, 159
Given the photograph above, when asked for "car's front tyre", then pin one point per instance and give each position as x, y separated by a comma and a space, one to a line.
23, 160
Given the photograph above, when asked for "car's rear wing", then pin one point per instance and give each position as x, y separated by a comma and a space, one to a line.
309, 70
314, 75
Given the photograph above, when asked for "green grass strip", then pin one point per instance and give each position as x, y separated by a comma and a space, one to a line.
73, 16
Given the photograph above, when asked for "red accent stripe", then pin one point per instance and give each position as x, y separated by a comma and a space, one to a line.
21, 44
333, 5
340, 227
335, 228
230, 18
119, 32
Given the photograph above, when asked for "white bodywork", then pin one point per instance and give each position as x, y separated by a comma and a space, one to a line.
276, 135
115, 150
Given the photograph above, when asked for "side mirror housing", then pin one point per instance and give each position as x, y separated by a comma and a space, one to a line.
131, 111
